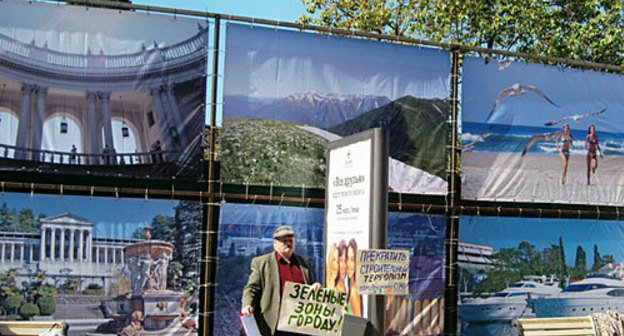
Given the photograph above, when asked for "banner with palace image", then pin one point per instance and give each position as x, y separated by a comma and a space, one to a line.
536, 267
101, 92
537, 133
288, 93
245, 231
91, 261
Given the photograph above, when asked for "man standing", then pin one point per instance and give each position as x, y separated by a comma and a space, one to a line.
263, 293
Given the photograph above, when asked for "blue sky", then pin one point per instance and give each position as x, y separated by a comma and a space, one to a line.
506, 232
576, 91
264, 62
115, 218
281, 10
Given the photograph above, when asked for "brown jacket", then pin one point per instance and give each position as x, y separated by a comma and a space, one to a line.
263, 293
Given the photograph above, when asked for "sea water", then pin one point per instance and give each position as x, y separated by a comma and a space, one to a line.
497, 138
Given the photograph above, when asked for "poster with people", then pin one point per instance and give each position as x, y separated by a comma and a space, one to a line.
288, 93
101, 92
538, 133
81, 260
536, 267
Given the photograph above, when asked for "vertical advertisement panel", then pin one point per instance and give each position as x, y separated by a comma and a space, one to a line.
287, 94
245, 232
523, 267
348, 217
100, 265
101, 92
537, 133
421, 311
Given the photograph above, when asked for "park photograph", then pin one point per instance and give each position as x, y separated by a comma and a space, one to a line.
97, 263
287, 94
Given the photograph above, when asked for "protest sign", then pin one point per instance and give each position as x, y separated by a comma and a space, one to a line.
384, 272
308, 312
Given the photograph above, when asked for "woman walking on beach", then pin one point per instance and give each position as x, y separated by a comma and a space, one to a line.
593, 147
566, 144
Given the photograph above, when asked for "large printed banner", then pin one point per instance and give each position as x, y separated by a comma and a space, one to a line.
246, 231
536, 133
523, 267
288, 93
101, 92
421, 311
79, 260
305, 311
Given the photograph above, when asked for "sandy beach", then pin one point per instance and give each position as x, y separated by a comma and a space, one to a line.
537, 178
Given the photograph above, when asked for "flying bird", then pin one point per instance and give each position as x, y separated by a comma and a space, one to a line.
575, 117
517, 90
540, 137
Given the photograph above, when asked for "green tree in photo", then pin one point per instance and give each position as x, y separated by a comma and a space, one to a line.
589, 30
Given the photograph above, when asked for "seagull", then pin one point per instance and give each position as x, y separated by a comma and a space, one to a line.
540, 137
575, 117
517, 90
479, 138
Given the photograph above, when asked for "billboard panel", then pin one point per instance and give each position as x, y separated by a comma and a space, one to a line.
99, 263
288, 93
101, 92
536, 133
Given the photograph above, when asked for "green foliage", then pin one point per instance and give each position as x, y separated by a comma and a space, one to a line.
72, 284
233, 273
28, 309
47, 305
266, 151
12, 220
589, 30
13, 302
417, 127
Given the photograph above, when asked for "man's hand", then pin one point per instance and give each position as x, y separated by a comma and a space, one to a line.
316, 286
247, 310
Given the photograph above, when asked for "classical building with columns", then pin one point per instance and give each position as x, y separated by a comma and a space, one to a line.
65, 247
155, 96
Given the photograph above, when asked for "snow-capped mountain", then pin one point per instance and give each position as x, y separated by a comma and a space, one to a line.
312, 108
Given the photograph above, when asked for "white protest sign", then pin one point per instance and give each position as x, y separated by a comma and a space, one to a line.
384, 272
314, 313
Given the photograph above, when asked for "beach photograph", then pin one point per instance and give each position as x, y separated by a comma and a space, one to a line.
537, 133
287, 94
531, 267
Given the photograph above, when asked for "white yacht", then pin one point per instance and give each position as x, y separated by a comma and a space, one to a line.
509, 303
594, 294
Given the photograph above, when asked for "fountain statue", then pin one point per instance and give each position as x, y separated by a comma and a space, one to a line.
150, 308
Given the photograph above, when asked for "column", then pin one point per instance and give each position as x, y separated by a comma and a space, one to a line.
114, 255
161, 118
21, 259
12, 252
24, 122
106, 121
3, 249
71, 245
62, 252
105, 254
38, 121
171, 104
81, 246
32, 250
42, 247
123, 256
94, 134
89, 249
53, 245
97, 254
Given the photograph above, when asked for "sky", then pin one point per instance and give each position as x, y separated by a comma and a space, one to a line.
576, 91
264, 62
507, 232
113, 218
